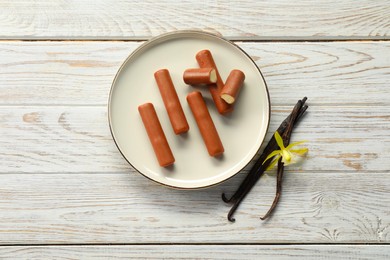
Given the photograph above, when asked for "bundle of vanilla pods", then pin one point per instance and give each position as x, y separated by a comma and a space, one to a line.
257, 170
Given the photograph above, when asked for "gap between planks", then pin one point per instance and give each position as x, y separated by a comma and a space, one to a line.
231, 38
287, 107
197, 244
245, 171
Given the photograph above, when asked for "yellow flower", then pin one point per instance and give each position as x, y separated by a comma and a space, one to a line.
289, 156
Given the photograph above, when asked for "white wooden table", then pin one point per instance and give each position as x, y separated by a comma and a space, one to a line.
65, 190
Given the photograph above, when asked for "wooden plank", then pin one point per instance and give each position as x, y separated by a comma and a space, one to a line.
356, 252
77, 139
241, 19
70, 73
127, 208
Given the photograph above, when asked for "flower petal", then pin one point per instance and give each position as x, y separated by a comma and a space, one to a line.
294, 144
299, 151
273, 163
272, 155
287, 156
279, 140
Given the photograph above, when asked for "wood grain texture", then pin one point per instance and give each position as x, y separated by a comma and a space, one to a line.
335, 252
66, 192
239, 19
127, 208
81, 73
77, 139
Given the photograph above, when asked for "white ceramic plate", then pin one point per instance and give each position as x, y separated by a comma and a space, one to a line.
242, 132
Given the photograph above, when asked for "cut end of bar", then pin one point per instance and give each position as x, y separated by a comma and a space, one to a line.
213, 76
228, 99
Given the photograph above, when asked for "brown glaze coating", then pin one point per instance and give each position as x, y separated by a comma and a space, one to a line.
232, 86
200, 76
205, 60
171, 101
205, 123
156, 134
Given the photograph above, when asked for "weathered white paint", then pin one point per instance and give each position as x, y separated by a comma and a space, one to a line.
70, 73
77, 139
63, 181
350, 252
331, 207
239, 19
